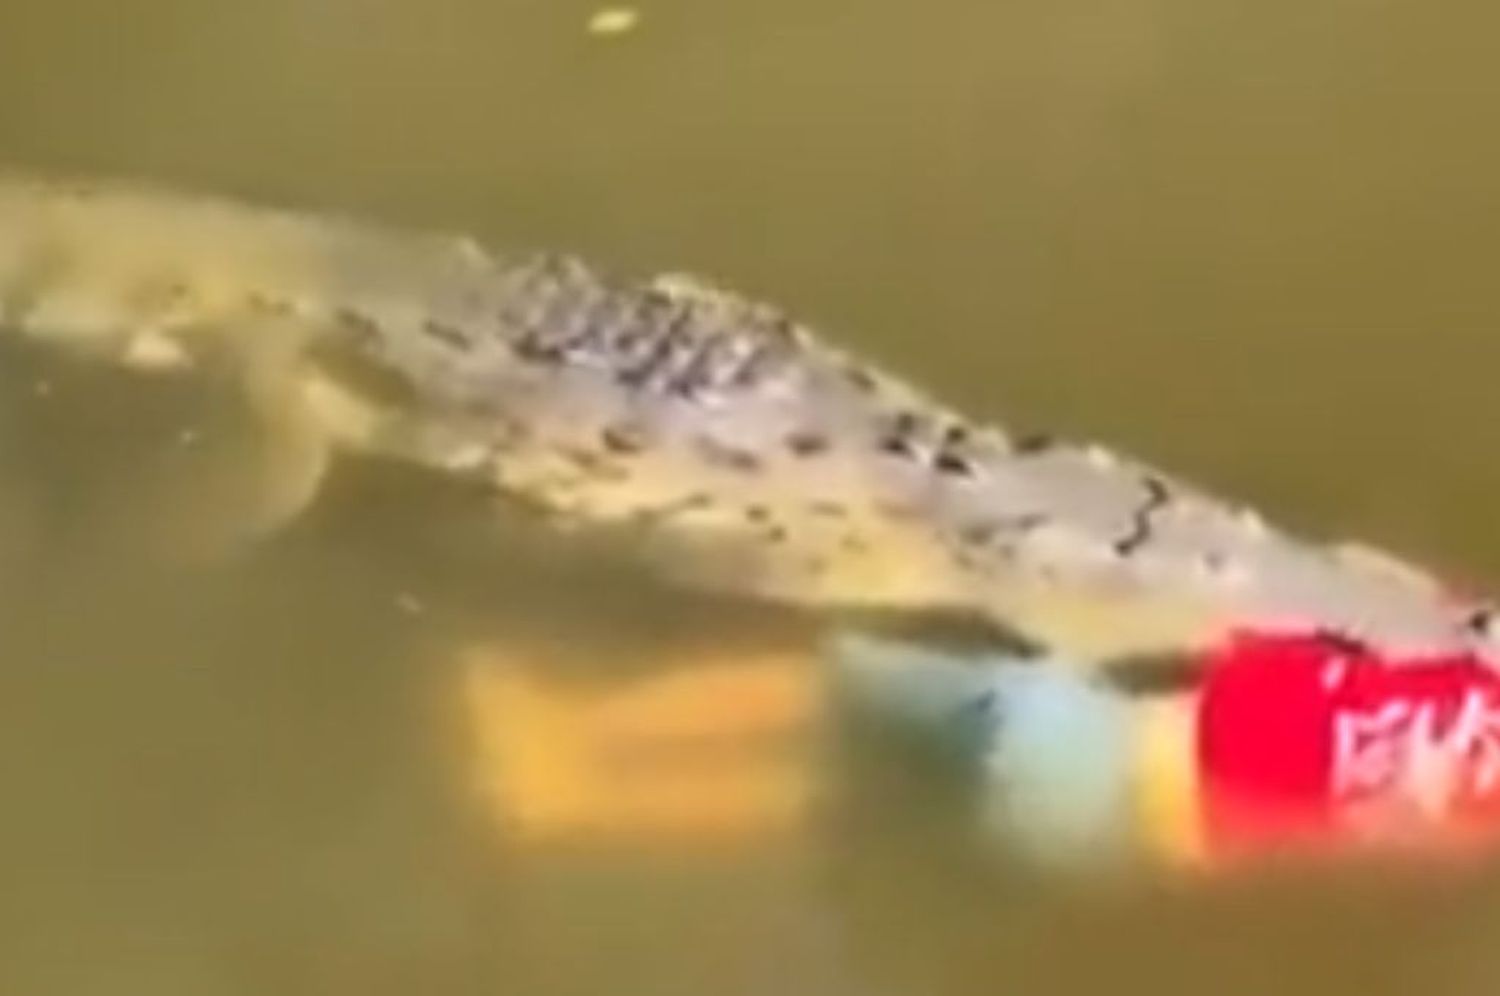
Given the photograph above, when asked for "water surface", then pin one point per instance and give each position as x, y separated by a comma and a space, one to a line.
1253, 242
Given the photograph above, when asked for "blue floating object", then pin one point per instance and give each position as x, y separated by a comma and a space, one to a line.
1052, 747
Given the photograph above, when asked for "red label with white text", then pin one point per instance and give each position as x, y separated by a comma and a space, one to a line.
1315, 741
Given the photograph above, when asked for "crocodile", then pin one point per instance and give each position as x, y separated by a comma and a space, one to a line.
736, 448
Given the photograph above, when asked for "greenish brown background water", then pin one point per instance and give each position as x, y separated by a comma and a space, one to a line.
1253, 242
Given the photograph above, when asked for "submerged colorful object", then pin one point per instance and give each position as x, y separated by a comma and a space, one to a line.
1312, 739
1287, 744
706, 753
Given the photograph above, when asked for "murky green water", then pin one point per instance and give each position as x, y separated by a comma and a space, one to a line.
1251, 241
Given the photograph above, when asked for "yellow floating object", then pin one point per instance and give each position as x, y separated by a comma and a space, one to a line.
709, 750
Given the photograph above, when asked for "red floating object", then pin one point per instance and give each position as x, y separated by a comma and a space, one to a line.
1313, 742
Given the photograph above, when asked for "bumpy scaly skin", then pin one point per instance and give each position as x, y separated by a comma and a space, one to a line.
738, 448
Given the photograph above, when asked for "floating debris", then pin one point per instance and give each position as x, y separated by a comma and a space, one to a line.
607, 22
